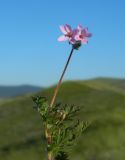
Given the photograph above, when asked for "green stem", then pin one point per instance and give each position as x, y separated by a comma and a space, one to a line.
50, 156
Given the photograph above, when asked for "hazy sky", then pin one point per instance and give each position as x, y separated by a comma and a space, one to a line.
30, 53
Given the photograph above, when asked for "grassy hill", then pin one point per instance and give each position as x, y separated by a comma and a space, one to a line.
102, 103
117, 85
12, 91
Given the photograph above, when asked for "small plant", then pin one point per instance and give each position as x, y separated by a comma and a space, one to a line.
61, 126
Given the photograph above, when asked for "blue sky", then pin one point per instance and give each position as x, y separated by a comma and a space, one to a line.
30, 53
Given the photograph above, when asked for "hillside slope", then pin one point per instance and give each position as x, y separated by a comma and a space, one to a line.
12, 91
21, 128
117, 85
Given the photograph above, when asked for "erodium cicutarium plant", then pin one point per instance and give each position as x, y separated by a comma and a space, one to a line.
61, 126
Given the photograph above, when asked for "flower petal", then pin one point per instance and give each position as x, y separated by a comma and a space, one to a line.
80, 28
62, 38
68, 28
75, 32
86, 33
63, 29
89, 35
84, 40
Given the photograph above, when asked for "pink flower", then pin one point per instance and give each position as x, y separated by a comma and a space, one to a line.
68, 34
82, 34
74, 36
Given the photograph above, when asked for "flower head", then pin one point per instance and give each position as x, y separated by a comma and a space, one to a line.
76, 37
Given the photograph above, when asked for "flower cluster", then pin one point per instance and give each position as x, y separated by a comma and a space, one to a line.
74, 36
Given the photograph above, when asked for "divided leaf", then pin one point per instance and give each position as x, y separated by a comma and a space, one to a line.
61, 124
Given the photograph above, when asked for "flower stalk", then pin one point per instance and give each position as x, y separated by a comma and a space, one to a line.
48, 136
61, 78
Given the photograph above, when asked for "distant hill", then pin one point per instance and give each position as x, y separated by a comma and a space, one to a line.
114, 84
102, 104
12, 91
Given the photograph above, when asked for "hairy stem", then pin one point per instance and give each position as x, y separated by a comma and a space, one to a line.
60, 81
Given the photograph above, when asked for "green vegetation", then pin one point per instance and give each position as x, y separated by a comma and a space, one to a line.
102, 103
61, 126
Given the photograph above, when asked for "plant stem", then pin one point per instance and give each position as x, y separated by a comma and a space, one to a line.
60, 81
48, 136
50, 156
